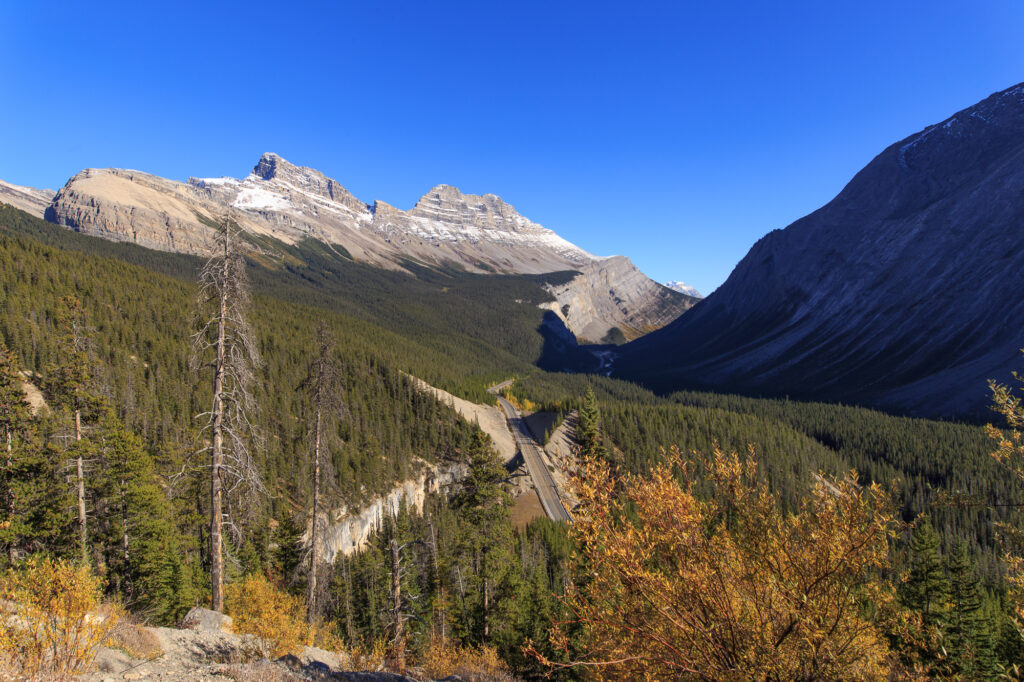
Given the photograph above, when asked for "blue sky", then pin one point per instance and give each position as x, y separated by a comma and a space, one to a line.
675, 133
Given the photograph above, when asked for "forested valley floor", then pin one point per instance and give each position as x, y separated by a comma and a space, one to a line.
820, 574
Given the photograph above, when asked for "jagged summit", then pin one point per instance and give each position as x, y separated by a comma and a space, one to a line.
288, 202
268, 164
281, 201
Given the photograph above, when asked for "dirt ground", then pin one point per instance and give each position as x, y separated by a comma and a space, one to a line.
489, 417
527, 507
539, 423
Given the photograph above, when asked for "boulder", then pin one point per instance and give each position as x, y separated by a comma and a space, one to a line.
199, 618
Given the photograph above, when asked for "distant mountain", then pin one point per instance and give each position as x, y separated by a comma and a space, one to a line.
289, 203
609, 290
28, 199
683, 288
903, 292
279, 204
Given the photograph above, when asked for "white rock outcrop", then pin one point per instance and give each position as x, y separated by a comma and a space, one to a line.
348, 531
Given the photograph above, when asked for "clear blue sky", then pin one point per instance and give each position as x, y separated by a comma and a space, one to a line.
675, 133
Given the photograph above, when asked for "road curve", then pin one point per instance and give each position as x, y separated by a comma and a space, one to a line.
542, 480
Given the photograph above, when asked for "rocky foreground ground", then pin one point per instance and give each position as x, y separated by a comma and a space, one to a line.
204, 648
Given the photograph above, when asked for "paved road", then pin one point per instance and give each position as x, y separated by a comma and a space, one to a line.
542, 480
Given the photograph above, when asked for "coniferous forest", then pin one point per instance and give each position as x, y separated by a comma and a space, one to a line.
905, 568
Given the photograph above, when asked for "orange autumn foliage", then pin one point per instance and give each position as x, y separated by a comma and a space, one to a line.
1010, 453
727, 586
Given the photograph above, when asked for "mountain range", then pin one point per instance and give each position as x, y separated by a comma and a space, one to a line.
280, 204
903, 292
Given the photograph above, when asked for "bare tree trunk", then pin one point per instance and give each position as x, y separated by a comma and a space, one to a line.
217, 457
314, 540
327, 404
487, 613
124, 524
398, 651
350, 631
438, 590
82, 530
12, 554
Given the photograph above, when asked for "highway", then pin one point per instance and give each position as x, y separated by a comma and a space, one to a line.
542, 480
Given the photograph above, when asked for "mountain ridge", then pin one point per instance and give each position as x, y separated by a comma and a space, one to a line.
282, 203
853, 302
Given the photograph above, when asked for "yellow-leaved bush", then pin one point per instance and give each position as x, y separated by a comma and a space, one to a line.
445, 659
728, 585
52, 625
1010, 453
259, 608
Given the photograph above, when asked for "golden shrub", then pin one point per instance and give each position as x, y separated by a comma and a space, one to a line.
52, 626
372, 658
728, 586
259, 608
444, 659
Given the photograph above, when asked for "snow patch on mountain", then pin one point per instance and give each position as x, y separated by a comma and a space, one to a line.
683, 288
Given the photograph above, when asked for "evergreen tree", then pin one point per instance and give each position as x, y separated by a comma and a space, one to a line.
141, 546
482, 503
15, 420
588, 432
927, 588
286, 548
968, 633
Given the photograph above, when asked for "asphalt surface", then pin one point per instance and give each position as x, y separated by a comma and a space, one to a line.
542, 480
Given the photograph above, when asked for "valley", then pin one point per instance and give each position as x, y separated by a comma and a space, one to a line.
503, 408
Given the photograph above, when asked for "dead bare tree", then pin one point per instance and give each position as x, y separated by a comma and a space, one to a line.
224, 342
71, 384
324, 388
401, 604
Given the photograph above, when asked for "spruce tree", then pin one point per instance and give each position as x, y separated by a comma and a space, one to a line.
927, 588
966, 624
141, 545
482, 503
588, 432
15, 421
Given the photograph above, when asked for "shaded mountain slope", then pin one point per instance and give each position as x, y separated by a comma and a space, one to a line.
903, 292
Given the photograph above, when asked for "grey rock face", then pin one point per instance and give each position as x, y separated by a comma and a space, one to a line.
28, 199
902, 292
289, 203
612, 293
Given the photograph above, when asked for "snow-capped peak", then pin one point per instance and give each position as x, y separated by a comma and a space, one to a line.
683, 288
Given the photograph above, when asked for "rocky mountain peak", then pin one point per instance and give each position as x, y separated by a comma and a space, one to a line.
268, 165
488, 211
273, 168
